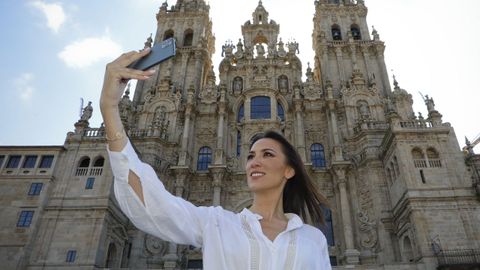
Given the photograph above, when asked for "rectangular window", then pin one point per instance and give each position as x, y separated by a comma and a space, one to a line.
46, 162
35, 189
71, 255
2, 158
25, 219
89, 183
29, 162
13, 162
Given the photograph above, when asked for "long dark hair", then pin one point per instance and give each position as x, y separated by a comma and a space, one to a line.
299, 194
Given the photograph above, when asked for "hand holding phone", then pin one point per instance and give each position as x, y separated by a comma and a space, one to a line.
159, 53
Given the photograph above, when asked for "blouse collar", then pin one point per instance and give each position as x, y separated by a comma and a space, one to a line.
294, 221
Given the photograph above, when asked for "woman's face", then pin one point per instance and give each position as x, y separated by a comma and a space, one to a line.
267, 166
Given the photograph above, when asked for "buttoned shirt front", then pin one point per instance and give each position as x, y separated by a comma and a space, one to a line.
229, 241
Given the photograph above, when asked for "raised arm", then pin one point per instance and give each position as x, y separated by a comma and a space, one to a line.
116, 77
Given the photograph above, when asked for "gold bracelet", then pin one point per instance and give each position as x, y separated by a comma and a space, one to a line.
118, 136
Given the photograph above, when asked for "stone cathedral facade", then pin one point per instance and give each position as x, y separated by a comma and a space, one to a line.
402, 193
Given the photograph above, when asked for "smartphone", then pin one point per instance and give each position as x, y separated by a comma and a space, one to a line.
159, 53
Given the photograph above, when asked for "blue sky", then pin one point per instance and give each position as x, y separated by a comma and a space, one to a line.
54, 53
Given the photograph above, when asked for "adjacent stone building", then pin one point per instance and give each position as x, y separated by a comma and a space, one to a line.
403, 195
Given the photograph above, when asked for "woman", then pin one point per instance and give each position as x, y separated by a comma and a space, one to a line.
268, 235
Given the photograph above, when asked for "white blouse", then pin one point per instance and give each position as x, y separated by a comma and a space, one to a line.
228, 240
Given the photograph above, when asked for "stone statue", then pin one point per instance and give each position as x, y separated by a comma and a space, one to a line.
281, 49
430, 104
87, 112
293, 47
272, 50
390, 106
260, 50
164, 6
283, 83
227, 49
237, 85
364, 111
240, 45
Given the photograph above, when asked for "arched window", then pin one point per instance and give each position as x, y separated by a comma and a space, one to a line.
280, 112
327, 228
97, 167
168, 34
356, 32
418, 158
318, 156
432, 153
433, 158
204, 158
83, 165
111, 256
260, 108
336, 32
240, 114
188, 38
99, 162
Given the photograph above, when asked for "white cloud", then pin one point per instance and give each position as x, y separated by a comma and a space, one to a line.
24, 87
83, 53
54, 13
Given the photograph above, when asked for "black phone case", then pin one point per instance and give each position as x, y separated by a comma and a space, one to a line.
160, 52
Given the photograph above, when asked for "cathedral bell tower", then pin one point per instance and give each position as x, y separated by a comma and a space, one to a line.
161, 119
164, 106
343, 46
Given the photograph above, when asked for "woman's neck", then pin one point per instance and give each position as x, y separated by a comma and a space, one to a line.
269, 206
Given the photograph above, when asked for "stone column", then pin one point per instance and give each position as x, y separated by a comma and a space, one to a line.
185, 58
341, 69
383, 70
171, 259
137, 258
337, 154
366, 59
354, 57
182, 160
299, 129
198, 68
324, 64
218, 173
220, 128
351, 254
